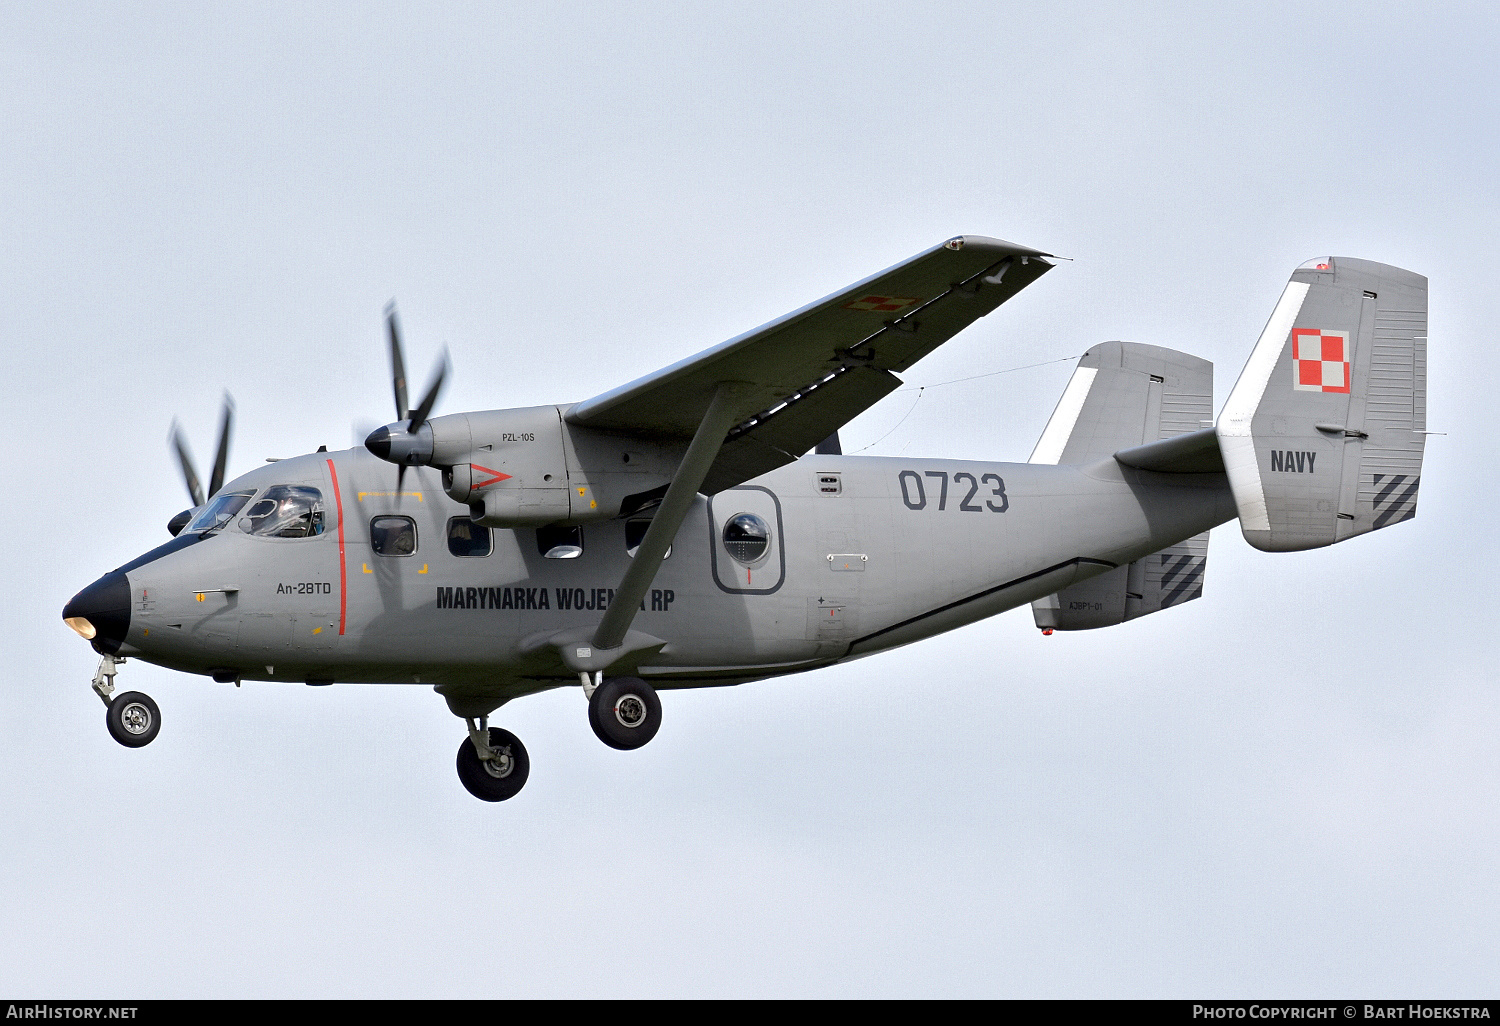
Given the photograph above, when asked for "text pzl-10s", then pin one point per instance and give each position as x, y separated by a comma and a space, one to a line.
699, 526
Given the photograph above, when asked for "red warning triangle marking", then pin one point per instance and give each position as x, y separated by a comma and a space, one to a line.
497, 476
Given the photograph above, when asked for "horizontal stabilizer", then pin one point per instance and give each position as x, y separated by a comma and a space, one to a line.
1194, 453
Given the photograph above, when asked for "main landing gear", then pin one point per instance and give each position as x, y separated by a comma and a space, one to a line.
132, 718
624, 711
492, 763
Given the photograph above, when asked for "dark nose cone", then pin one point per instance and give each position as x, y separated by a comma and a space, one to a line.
379, 442
105, 605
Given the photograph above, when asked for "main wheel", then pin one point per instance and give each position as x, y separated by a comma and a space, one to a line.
494, 780
133, 719
625, 712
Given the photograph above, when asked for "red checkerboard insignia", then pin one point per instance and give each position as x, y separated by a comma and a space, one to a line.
885, 304
1320, 360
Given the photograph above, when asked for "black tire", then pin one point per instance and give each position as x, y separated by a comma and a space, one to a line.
133, 719
625, 712
481, 781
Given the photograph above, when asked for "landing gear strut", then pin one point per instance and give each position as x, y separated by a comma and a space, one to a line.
624, 712
492, 764
132, 718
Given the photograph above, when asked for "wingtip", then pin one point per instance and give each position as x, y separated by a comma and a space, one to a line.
959, 242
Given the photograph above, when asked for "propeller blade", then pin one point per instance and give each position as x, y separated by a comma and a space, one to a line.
195, 489
398, 365
430, 399
400, 478
221, 460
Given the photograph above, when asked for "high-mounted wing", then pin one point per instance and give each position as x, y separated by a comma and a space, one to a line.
804, 375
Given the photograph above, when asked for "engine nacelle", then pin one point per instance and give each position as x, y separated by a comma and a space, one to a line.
528, 467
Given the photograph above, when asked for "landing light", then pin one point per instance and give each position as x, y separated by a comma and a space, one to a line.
81, 627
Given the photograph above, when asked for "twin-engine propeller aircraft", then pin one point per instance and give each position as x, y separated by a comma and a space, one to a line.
699, 527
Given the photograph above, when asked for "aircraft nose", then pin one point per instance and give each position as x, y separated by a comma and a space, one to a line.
100, 613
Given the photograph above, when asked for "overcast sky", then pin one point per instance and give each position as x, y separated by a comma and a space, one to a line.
1290, 787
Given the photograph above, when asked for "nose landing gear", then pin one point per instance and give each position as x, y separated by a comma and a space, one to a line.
132, 718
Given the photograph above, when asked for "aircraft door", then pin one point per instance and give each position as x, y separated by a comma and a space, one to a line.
312, 593
749, 554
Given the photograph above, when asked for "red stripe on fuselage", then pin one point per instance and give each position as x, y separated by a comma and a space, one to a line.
343, 577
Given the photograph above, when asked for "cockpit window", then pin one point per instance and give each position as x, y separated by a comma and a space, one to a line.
218, 512
285, 511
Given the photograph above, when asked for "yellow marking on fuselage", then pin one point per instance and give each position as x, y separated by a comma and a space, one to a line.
389, 495
423, 570
367, 568
317, 630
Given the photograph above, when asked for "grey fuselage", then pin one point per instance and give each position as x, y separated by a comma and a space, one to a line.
866, 553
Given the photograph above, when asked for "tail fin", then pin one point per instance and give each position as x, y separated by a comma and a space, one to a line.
1322, 436
1123, 394
1166, 578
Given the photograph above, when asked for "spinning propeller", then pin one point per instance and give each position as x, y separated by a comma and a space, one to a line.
190, 475
402, 442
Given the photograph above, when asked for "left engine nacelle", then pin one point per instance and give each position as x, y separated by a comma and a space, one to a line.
528, 467
509, 466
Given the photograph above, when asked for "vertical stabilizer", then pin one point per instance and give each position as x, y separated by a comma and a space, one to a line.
1123, 394
1322, 436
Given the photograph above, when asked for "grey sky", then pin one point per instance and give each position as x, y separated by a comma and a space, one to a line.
1290, 787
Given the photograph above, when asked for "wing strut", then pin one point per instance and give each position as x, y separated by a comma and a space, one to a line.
717, 420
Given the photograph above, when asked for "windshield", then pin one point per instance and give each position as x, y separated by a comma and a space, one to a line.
218, 512
285, 511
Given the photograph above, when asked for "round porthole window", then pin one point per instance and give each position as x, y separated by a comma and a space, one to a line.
747, 537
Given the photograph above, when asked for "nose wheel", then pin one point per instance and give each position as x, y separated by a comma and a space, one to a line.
492, 764
132, 718
625, 712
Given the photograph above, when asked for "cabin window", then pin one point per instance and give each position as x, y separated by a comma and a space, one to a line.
285, 511
466, 538
393, 536
218, 512
560, 542
635, 532
747, 537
